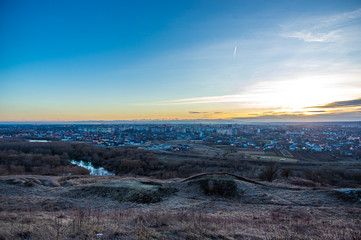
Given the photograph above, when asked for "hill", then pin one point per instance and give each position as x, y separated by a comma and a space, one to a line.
204, 206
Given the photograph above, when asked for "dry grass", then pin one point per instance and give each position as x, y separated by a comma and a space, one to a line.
259, 211
274, 223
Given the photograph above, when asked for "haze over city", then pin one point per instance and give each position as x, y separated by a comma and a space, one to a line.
180, 60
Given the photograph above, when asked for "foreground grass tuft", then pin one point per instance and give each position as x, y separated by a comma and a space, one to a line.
275, 224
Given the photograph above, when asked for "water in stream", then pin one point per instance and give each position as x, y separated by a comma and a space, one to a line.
93, 171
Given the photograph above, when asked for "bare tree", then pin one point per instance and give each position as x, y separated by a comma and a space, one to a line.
269, 173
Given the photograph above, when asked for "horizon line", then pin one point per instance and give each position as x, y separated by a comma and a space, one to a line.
174, 121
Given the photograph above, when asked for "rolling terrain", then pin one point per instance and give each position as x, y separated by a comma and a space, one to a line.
204, 206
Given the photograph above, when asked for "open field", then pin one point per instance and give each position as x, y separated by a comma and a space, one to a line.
273, 158
210, 206
201, 150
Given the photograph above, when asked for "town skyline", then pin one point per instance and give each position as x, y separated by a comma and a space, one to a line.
234, 61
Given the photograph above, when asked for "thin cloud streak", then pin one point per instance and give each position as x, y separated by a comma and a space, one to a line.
340, 104
340, 20
327, 29
314, 37
317, 111
205, 113
212, 99
192, 112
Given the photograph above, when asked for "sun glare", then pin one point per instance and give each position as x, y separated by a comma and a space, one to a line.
300, 94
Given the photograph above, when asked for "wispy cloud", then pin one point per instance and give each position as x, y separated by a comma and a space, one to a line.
325, 29
204, 113
317, 111
313, 37
235, 51
339, 20
192, 112
342, 104
211, 99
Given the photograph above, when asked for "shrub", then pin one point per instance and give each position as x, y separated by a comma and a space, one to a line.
286, 172
269, 173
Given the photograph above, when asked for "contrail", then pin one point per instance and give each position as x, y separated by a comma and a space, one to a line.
235, 51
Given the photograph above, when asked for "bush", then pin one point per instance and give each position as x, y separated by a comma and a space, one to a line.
286, 172
269, 173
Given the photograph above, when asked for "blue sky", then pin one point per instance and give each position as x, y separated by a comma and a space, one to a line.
115, 60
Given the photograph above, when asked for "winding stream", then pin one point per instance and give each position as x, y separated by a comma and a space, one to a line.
93, 171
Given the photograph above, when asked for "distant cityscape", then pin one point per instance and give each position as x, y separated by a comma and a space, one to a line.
339, 139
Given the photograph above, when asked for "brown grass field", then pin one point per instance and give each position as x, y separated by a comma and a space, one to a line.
217, 206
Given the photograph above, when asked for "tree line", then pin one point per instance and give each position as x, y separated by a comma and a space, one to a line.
52, 158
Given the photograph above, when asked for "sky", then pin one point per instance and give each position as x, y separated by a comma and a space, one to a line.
173, 60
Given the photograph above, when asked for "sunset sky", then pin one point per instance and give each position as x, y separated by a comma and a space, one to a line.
130, 60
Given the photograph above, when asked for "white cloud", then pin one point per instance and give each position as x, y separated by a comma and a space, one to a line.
314, 37
339, 20
211, 99
322, 29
